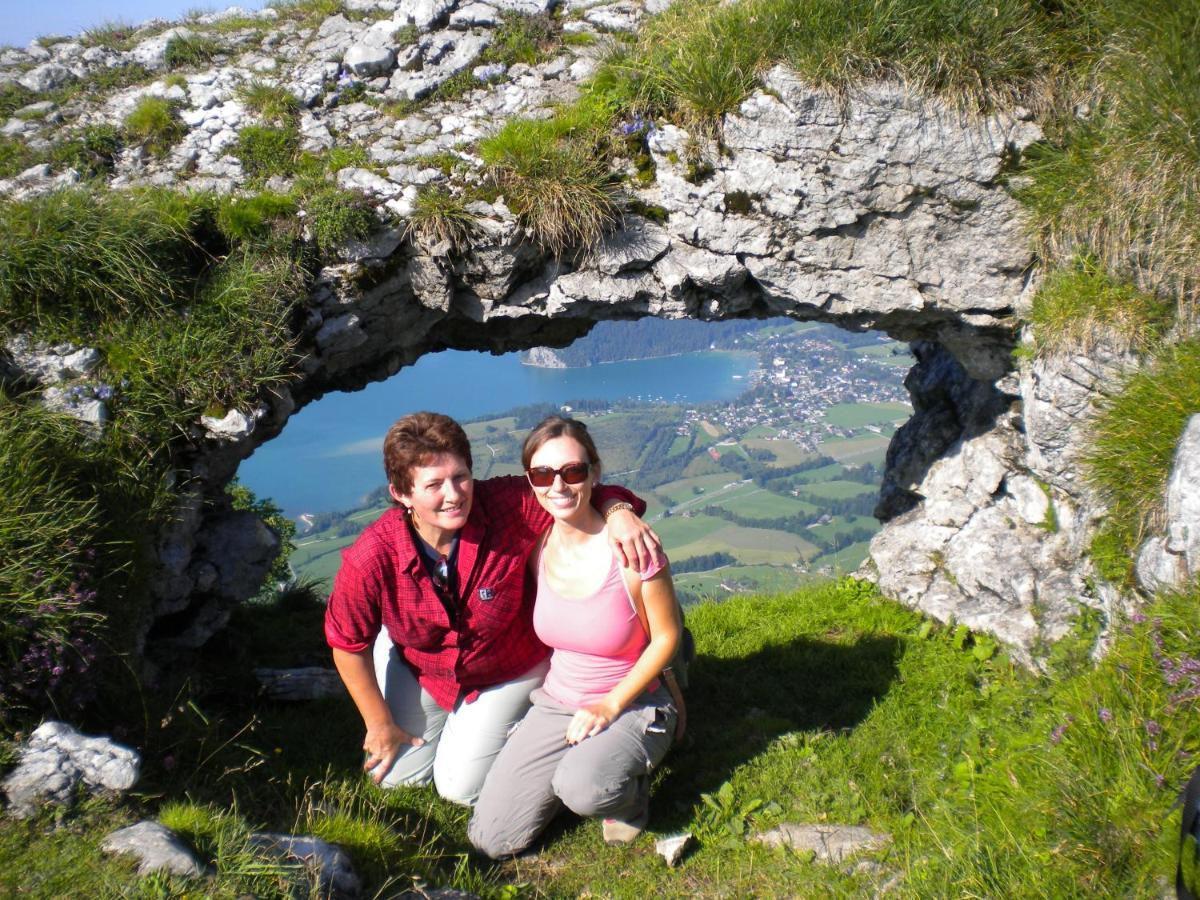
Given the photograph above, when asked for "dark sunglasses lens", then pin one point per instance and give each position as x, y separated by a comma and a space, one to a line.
542, 476
572, 473
575, 473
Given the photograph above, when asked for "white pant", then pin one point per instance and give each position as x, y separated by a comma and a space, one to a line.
461, 745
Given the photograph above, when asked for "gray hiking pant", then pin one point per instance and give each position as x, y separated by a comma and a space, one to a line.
538, 772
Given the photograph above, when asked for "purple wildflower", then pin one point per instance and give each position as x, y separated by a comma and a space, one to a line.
1105, 714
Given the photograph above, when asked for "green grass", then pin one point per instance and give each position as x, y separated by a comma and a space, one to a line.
787, 452
1078, 306
856, 415
751, 546
267, 150
440, 216
155, 124
276, 105
863, 448
92, 151
191, 313
257, 218
191, 51
1133, 444
1120, 184
111, 35
759, 504
826, 704
554, 175
838, 490
71, 258
699, 60
522, 39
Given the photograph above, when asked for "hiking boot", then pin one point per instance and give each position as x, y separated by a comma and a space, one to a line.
617, 832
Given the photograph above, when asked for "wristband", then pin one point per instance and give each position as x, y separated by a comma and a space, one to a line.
623, 504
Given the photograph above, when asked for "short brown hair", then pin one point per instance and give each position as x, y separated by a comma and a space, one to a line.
553, 427
416, 440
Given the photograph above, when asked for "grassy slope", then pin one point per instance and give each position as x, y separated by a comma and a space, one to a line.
829, 704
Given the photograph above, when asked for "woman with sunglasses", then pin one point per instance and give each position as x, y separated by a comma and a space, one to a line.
430, 621
602, 720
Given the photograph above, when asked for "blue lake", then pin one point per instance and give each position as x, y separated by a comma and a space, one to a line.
329, 455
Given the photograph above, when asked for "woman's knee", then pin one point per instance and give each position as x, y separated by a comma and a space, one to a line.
460, 786
494, 833
588, 793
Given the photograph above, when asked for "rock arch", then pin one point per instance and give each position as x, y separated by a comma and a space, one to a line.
878, 210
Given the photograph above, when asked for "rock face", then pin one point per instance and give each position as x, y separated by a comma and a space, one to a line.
1173, 559
57, 759
880, 209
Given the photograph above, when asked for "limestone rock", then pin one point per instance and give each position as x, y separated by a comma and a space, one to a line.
46, 77
90, 411
151, 52
365, 60
335, 873
45, 363
1173, 559
235, 425
828, 843
672, 848
156, 847
57, 758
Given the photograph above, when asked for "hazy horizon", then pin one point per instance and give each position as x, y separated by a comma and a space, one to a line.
19, 25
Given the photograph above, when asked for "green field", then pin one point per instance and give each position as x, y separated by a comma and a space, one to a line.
856, 415
787, 453
754, 578
760, 504
479, 431
750, 545
860, 449
678, 532
843, 561
842, 524
838, 490
684, 489
887, 355
681, 444
831, 472
759, 431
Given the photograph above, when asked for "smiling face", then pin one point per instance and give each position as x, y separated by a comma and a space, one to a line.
440, 499
562, 500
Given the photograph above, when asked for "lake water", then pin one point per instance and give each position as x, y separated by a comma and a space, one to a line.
330, 454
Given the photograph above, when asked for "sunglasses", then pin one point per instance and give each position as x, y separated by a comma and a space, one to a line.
571, 473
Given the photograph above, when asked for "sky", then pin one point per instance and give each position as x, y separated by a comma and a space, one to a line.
21, 21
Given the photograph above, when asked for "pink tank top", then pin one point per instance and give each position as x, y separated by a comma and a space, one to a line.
596, 639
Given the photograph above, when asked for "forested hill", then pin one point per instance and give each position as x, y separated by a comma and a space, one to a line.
646, 338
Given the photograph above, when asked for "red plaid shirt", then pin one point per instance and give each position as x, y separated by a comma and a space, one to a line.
382, 581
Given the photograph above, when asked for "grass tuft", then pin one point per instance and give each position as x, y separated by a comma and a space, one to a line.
554, 174
258, 218
113, 35
275, 104
266, 151
440, 216
72, 257
154, 123
1121, 182
1077, 307
191, 51
1134, 439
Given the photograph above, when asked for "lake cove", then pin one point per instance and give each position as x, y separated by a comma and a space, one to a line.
329, 455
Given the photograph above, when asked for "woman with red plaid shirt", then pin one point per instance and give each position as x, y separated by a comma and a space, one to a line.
430, 621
